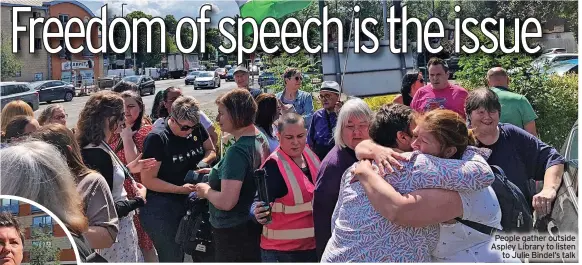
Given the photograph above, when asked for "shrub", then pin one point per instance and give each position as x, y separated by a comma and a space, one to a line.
554, 98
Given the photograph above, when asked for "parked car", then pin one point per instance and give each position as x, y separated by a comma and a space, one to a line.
562, 68
552, 58
50, 90
555, 50
11, 91
207, 79
221, 72
453, 63
108, 81
189, 80
144, 83
266, 79
563, 219
230, 75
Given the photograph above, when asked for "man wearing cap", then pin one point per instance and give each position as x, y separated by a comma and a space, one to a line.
241, 77
320, 136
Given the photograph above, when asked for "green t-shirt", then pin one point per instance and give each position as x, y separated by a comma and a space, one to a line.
239, 163
515, 108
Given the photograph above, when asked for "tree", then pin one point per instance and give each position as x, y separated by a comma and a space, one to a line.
43, 248
171, 24
142, 56
10, 64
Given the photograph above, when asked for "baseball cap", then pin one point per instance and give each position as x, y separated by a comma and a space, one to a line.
240, 68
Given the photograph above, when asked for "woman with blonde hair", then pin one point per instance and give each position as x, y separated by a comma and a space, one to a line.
35, 170
13, 109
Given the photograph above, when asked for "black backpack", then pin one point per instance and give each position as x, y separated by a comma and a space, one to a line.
516, 216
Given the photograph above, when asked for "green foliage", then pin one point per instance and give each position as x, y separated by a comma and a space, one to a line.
554, 98
473, 67
43, 249
300, 60
10, 64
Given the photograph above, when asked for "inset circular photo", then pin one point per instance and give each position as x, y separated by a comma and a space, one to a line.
31, 234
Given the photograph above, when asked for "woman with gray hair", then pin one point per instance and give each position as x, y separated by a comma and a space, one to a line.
53, 114
352, 127
37, 171
182, 144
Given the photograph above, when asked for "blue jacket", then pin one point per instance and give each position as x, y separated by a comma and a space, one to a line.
303, 105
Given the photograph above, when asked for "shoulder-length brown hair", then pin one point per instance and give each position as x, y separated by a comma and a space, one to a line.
101, 106
448, 128
64, 140
241, 107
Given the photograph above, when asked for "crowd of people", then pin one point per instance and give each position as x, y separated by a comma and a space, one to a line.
344, 183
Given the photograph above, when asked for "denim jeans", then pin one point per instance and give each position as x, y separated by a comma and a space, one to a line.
289, 256
160, 218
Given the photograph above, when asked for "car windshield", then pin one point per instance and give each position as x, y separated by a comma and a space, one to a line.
36, 84
194, 73
205, 75
132, 79
561, 68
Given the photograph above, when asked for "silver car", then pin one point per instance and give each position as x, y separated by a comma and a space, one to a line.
207, 79
18, 91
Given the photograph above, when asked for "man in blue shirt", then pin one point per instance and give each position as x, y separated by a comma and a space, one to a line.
320, 136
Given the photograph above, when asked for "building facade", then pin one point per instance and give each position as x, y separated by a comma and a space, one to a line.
34, 66
80, 68
31, 218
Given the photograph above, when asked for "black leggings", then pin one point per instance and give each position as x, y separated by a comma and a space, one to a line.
238, 244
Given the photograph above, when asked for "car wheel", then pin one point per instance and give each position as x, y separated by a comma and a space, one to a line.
153, 91
218, 83
49, 101
195, 88
68, 96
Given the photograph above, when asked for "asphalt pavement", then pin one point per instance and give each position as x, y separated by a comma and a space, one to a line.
206, 97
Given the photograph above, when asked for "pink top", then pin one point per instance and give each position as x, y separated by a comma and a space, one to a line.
451, 98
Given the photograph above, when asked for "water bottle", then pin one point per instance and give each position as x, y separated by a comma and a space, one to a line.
261, 183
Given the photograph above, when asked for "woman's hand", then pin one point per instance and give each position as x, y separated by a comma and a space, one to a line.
261, 212
187, 189
126, 133
363, 169
141, 190
202, 190
203, 170
137, 165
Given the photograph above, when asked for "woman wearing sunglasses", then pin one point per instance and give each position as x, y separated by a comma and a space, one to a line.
180, 145
411, 82
293, 99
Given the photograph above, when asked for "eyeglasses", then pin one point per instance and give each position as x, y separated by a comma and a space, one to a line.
184, 128
326, 96
60, 117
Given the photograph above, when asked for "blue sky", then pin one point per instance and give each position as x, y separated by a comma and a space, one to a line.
178, 8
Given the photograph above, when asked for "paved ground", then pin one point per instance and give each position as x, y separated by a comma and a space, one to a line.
206, 97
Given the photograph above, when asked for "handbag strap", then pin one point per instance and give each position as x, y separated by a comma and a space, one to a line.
126, 172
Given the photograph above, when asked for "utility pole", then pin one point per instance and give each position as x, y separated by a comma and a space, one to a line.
385, 16
123, 4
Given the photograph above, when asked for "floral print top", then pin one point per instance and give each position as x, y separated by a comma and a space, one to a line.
361, 234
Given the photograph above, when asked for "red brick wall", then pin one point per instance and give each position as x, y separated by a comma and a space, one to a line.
68, 255
24, 209
72, 10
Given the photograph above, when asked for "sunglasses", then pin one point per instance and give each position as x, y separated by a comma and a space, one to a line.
327, 96
184, 128
297, 78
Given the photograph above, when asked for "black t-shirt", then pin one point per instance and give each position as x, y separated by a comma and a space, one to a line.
276, 186
177, 154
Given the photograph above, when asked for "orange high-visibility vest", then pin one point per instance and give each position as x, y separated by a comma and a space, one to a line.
292, 226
